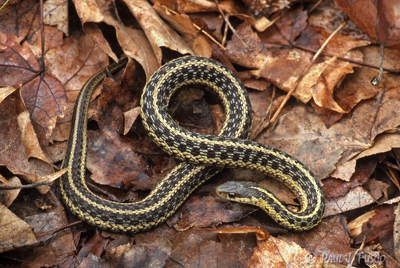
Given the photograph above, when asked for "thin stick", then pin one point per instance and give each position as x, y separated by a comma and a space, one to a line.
315, 6
209, 36
396, 71
225, 32
231, 27
4, 5
7, 187
375, 81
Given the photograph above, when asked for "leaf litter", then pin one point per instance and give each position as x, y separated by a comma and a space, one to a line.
337, 123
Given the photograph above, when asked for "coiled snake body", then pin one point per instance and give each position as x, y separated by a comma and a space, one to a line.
203, 155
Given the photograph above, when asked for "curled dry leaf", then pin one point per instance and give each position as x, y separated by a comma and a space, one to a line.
184, 26
379, 19
379, 228
356, 224
20, 152
157, 32
130, 117
133, 41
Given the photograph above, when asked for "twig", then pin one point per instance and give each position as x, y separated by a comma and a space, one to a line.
44, 236
315, 6
356, 252
200, 29
7, 187
396, 71
375, 81
4, 5
231, 27
209, 36
225, 31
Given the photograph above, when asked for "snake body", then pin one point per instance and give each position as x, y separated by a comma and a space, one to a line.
203, 155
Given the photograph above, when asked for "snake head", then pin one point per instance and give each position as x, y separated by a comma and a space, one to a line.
238, 191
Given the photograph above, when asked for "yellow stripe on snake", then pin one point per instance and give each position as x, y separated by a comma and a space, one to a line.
203, 155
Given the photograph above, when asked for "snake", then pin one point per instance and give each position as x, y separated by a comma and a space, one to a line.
201, 155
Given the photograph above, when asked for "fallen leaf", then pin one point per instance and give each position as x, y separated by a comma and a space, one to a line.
383, 23
14, 232
277, 253
7, 197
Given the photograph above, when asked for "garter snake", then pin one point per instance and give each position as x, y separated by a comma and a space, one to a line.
203, 155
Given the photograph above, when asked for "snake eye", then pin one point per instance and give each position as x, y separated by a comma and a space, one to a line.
232, 195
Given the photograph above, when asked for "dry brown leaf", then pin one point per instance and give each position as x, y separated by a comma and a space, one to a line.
132, 41
3, 180
130, 117
260, 24
18, 20
184, 26
195, 6
302, 134
334, 188
379, 228
112, 160
321, 81
199, 211
355, 198
213, 250
45, 100
329, 240
7, 197
34, 178
154, 253
142, 51
255, 59
56, 14
278, 253
6, 91
13, 144
90, 11
73, 72
383, 23
14, 232
157, 31
283, 68
59, 246
356, 224
28, 136
16, 57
